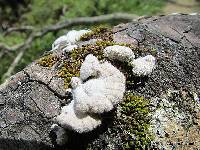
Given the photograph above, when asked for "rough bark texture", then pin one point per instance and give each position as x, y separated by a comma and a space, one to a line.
30, 99
177, 41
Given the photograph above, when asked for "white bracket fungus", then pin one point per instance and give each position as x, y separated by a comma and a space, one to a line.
100, 86
78, 122
94, 96
69, 48
99, 94
144, 65
69, 39
121, 53
89, 67
141, 66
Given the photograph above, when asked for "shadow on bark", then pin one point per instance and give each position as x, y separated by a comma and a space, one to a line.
14, 144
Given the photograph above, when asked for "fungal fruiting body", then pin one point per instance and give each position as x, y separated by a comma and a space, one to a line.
141, 66
94, 96
101, 93
144, 65
100, 86
69, 39
73, 36
78, 122
58, 41
69, 48
121, 53
89, 67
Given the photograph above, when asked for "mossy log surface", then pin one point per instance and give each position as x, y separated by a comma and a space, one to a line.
30, 99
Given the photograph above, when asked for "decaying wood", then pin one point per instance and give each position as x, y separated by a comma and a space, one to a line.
30, 99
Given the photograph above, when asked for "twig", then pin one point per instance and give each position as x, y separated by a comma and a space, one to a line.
18, 29
18, 58
1, 54
7, 48
13, 65
122, 17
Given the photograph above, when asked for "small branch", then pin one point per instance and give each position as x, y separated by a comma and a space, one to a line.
7, 48
1, 54
122, 17
64, 9
13, 65
18, 29
23, 48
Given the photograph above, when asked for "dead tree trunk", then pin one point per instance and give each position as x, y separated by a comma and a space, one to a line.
30, 99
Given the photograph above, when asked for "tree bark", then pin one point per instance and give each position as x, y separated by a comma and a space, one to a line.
31, 99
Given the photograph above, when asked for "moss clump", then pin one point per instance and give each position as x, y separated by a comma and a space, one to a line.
69, 70
48, 61
100, 32
134, 116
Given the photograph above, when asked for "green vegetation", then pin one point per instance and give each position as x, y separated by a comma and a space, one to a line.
98, 32
98, 7
48, 61
135, 118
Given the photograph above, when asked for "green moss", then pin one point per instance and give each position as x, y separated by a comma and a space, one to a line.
68, 71
48, 61
135, 118
100, 32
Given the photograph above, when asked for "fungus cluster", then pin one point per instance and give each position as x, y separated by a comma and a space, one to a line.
142, 66
99, 85
69, 39
94, 96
